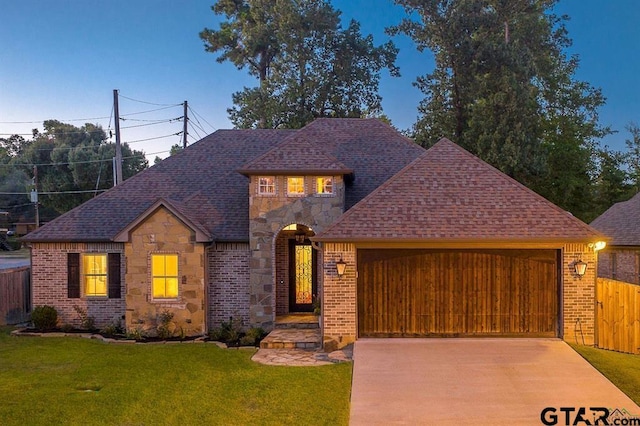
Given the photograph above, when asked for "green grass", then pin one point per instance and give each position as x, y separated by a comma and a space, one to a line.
79, 381
623, 370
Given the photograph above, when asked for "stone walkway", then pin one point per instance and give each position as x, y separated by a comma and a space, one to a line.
301, 357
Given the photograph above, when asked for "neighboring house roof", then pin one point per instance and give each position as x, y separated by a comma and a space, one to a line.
621, 222
295, 155
203, 184
449, 195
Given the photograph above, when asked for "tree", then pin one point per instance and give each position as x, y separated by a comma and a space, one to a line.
633, 156
72, 159
504, 89
612, 183
306, 64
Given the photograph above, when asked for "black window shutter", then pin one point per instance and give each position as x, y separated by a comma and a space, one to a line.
113, 275
73, 275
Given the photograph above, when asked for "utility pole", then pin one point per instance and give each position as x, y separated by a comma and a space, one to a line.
34, 195
117, 178
184, 126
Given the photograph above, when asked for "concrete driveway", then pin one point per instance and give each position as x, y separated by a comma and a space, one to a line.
479, 381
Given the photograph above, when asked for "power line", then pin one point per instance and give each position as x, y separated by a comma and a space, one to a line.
56, 192
42, 121
145, 102
195, 129
203, 119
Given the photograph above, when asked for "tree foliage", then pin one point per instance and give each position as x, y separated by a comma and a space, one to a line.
504, 88
68, 159
306, 64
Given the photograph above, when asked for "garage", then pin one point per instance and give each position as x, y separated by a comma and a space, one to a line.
428, 292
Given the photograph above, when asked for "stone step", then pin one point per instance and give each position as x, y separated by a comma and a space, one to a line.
297, 325
292, 339
297, 321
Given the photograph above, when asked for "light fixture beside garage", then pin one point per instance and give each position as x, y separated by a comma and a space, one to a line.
579, 267
341, 266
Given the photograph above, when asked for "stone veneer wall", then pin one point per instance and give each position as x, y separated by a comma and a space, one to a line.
49, 283
228, 276
162, 232
268, 214
339, 303
626, 267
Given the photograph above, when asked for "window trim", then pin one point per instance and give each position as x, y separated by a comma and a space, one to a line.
260, 187
152, 277
333, 187
296, 194
84, 275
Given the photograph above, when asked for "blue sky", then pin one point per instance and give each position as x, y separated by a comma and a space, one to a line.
62, 59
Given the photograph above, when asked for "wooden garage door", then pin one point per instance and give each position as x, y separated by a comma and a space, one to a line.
457, 292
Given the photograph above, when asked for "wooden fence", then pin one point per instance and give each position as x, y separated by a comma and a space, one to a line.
618, 316
15, 295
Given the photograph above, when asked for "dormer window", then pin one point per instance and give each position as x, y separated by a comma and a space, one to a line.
324, 185
266, 185
295, 185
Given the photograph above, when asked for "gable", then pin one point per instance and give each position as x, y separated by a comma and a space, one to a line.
447, 194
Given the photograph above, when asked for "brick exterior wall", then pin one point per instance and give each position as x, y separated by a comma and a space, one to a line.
339, 313
339, 296
49, 283
162, 232
578, 295
228, 282
619, 263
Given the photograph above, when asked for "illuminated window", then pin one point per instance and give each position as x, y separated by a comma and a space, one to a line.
267, 185
324, 185
295, 185
94, 274
164, 276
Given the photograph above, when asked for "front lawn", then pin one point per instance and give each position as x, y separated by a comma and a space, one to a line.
623, 370
79, 381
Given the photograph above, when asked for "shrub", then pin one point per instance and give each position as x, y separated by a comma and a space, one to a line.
114, 328
253, 336
163, 320
87, 322
228, 332
44, 317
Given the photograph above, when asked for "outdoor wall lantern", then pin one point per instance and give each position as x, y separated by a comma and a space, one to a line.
300, 237
341, 266
579, 268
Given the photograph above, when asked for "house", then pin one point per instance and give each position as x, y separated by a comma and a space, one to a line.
620, 260
391, 239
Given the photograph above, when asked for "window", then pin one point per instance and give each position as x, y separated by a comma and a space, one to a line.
94, 274
164, 276
295, 185
266, 185
324, 185
90, 272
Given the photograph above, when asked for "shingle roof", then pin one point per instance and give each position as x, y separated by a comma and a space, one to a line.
202, 181
621, 222
295, 154
447, 194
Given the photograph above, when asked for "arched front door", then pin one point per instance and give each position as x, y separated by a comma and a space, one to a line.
302, 275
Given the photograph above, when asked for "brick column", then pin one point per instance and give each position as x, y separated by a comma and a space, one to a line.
339, 304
